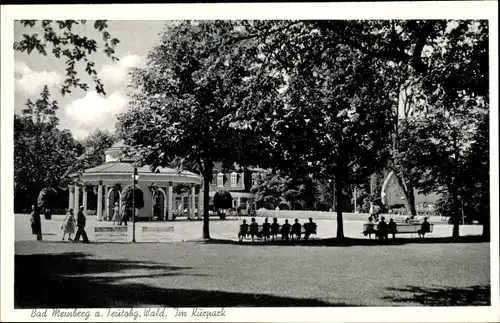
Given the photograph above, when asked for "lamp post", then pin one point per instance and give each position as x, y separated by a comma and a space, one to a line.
135, 178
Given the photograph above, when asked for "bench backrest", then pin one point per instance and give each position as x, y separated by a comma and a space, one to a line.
401, 227
110, 229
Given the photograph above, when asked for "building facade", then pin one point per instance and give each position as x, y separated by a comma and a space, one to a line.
106, 182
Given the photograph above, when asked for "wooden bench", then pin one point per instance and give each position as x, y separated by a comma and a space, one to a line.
111, 234
401, 228
258, 233
155, 234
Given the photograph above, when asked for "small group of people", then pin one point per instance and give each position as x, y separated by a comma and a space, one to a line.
272, 230
383, 229
120, 217
68, 227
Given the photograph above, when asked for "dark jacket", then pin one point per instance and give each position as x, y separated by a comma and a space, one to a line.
81, 221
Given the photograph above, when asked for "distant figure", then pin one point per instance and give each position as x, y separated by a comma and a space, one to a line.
425, 228
277, 208
266, 229
309, 228
36, 222
275, 228
116, 214
296, 229
243, 230
382, 229
125, 215
254, 228
373, 211
285, 230
392, 227
69, 225
81, 222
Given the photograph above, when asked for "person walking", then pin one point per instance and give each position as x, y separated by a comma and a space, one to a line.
36, 222
374, 211
81, 222
124, 215
69, 225
116, 215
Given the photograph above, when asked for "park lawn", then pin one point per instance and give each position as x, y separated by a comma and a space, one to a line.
57, 274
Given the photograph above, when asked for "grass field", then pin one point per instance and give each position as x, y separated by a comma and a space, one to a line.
58, 274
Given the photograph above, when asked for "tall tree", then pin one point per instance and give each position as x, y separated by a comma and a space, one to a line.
182, 112
42, 152
335, 119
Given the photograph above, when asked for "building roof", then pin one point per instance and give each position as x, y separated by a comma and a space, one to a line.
117, 167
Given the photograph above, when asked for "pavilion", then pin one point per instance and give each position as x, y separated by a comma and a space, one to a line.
106, 182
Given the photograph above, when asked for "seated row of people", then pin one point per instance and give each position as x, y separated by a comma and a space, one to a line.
272, 230
383, 229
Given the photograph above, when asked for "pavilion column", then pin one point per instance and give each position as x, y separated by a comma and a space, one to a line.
200, 200
193, 200
99, 202
170, 202
71, 202
77, 198
106, 202
84, 201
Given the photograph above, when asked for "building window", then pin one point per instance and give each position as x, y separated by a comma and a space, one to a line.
220, 180
234, 179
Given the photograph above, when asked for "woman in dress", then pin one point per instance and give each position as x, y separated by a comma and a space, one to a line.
69, 225
116, 214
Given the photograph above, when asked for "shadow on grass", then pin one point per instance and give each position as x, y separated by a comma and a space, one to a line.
445, 296
347, 242
73, 280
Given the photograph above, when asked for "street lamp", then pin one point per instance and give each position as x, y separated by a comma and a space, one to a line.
135, 178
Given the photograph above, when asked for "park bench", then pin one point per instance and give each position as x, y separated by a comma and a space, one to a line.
258, 233
111, 234
155, 234
401, 228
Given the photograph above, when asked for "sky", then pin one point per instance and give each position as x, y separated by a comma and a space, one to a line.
83, 112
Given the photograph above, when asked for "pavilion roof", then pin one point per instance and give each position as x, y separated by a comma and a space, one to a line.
120, 167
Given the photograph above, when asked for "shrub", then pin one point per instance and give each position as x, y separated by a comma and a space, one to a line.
127, 197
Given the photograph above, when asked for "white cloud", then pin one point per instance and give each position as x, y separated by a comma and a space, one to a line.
31, 82
94, 111
117, 73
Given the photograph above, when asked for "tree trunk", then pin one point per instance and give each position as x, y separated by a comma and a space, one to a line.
455, 213
207, 177
409, 194
486, 229
340, 221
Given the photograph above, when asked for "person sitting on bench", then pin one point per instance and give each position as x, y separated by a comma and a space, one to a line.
309, 228
285, 230
392, 228
370, 227
254, 228
382, 229
296, 229
266, 229
425, 228
275, 228
243, 230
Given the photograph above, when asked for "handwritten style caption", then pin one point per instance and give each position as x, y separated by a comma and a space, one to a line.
129, 314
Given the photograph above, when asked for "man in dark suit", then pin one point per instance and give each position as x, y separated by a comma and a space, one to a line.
81, 222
